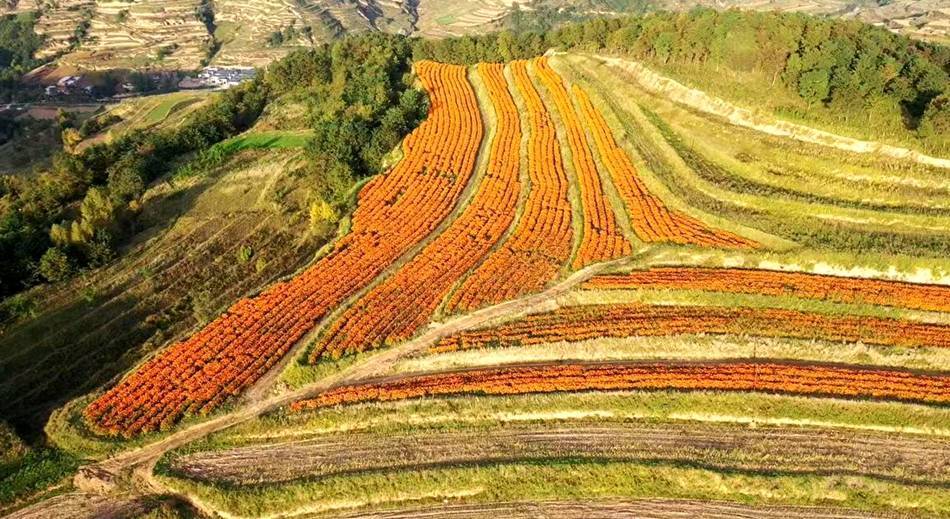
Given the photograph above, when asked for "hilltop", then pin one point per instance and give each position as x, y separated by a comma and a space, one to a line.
186, 34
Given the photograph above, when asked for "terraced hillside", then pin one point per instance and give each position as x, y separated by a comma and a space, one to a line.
120, 33
573, 294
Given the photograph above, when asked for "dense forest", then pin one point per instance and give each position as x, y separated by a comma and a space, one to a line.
18, 44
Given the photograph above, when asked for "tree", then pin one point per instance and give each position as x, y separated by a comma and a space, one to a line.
935, 123
56, 265
71, 137
813, 86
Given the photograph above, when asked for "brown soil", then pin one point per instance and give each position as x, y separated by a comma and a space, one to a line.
641, 509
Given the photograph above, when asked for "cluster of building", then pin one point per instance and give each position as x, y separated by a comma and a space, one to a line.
210, 77
218, 77
69, 85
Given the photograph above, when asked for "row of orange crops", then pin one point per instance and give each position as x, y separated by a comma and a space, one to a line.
652, 221
541, 241
395, 212
579, 323
788, 378
393, 310
775, 283
602, 239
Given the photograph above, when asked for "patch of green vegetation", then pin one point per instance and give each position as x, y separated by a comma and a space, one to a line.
35, 471
168, 106
267, 140
218, 154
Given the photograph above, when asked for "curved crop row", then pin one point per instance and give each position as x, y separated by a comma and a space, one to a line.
652, 221
602, 239
766, 376
401, 304
396, 210
541, 241
578, 323
839, 289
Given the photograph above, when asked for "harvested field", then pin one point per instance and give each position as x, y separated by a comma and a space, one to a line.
935, 298
80, 505
727, 447
581, 322
642, 509
819, 380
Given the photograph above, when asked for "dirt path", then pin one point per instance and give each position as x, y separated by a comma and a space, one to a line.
722, 446
111, 475
642, 509
699, 100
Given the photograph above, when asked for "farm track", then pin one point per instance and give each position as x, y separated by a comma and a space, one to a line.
640, 509
721, 446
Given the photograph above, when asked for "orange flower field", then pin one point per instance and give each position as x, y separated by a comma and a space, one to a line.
935, 298
401, 304
578, 323
396, 211
602, 239
650, 218
448, 231
773, 377
541, 243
